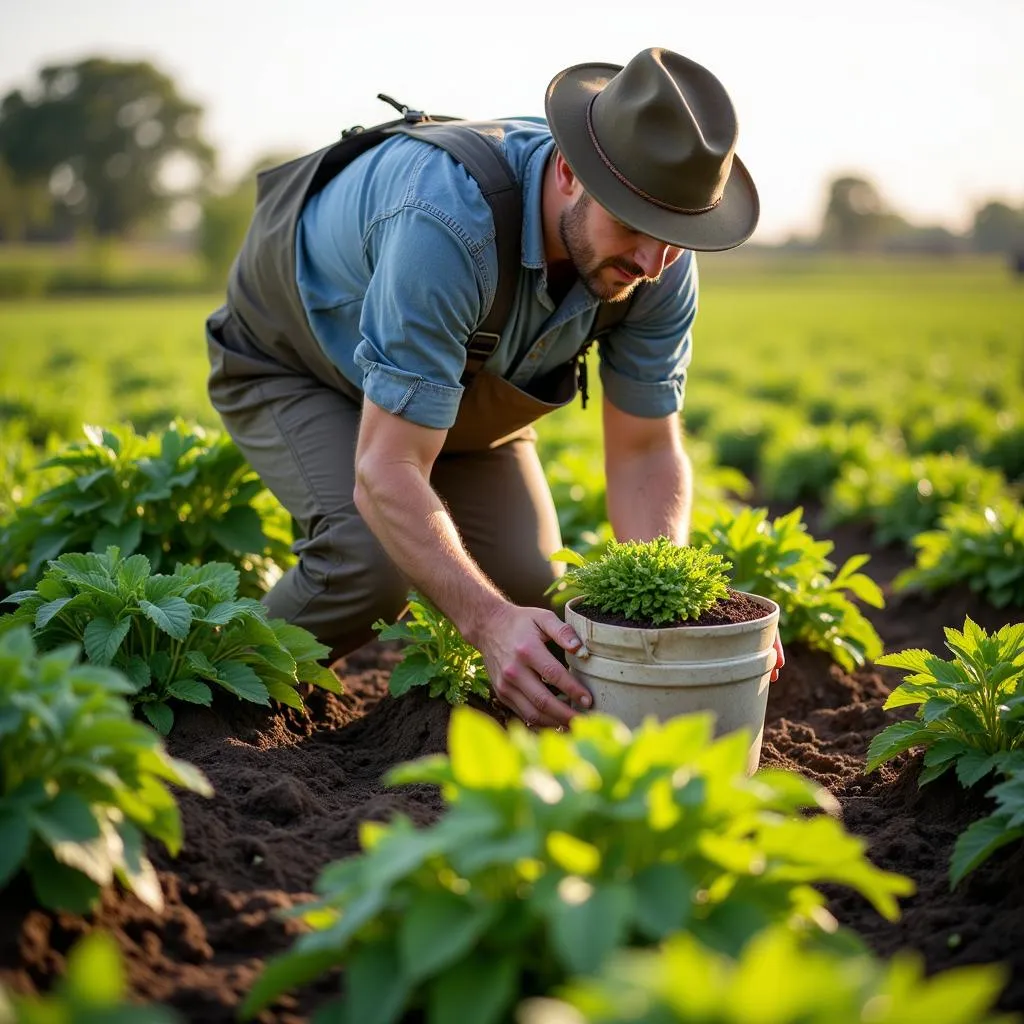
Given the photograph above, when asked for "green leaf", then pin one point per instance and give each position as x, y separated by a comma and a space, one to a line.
284, 694
438, 929
376, 987
482, 756
977, 843
66, 819
974, 765
125, 537
201, 664
190, 690
172, 615
160, 716
479, 990
290, 970
415, 670
240, 531
664, 896
893, 740
60, 887
46, 612
15, 833
299, 642
102, 639
584, 931
240, 680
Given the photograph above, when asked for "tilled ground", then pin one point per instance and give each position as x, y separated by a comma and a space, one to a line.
291, 790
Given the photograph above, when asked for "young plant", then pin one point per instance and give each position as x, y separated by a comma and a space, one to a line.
971, 717
558, 848
175, 635
181, 496
654, 582
436, 656
776, 978
81, 783
970, 708
93, 990
780, 560
981, 547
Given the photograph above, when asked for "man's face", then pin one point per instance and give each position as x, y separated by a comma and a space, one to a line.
610, 258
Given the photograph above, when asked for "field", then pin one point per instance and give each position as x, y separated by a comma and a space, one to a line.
879, 398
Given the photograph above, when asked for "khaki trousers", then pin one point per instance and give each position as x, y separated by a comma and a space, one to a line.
300, 435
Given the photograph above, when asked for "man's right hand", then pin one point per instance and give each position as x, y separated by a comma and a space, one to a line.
514, 648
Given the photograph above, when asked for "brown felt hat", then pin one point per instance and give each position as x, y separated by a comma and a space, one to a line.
654, 143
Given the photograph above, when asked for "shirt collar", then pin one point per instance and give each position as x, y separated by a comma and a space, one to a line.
533, 221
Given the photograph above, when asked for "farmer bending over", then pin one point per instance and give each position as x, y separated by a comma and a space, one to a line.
342, 362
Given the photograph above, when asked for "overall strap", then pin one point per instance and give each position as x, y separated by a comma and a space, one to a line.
487, 165
609, 316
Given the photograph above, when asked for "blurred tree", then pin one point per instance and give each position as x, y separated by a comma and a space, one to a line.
22, 206
101, 137
226, 212
856, 217
998, 228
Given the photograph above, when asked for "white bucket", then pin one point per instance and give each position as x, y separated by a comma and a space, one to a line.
633, 673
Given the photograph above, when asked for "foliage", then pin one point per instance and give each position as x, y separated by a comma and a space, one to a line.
81, 783
557, 848
902, 497
436, 655
92, 991
981, 547
172, 635
183, 495
1004, 825
777, 979
970, 708
652, 582
970, 716
98, 134
780, 560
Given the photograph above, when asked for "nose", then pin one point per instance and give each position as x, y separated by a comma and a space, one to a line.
653, 256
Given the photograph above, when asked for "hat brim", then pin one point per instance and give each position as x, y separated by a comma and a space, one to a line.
730, 223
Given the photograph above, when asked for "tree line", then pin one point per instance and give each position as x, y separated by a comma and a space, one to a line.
106, 149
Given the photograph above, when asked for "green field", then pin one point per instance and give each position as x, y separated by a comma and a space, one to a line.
887, 342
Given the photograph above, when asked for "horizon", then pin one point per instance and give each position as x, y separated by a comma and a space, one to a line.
918, 98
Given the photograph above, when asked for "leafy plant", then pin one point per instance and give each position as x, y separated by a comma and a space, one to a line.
656, 582
435, 656
981, 547
172, 635
557, 848
970, 708
776, 978
81, 782
92, 991
180, 496
970, 716
902, 496
780, 560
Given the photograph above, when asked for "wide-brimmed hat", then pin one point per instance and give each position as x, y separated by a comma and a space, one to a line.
654, 143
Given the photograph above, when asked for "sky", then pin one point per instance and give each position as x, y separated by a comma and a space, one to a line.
923, 97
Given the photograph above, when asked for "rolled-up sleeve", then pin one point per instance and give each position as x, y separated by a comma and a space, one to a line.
425, 297
645, 359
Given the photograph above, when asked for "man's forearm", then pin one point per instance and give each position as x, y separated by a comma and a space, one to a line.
650, 495
412, 524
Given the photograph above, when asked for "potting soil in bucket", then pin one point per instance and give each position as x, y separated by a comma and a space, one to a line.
633, 672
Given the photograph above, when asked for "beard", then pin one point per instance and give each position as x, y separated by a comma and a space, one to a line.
573, 231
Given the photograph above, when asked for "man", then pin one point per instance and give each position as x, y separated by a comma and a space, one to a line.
338, 360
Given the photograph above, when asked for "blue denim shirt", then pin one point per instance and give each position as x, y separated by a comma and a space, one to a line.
396, 266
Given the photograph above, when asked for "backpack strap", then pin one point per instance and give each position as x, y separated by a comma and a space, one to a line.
609, 316
488, 166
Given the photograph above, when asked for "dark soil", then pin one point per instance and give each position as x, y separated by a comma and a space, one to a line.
290, 792
736, 607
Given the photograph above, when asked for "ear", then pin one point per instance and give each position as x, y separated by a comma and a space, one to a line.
566, 182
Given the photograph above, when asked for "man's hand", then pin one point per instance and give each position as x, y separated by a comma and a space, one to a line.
521, 667
780, 659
